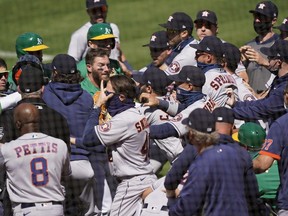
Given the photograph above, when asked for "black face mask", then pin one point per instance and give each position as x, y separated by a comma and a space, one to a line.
262, 28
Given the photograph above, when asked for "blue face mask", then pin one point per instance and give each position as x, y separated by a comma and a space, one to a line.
182, 95
115, 105
188, 97
205, 67
201, 65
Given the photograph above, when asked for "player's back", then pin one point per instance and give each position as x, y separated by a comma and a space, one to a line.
34, 164
217, 81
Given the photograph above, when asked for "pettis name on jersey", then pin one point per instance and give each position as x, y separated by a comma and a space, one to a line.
36, 148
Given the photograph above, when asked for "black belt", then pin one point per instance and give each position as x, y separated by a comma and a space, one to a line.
163, 208
28, 205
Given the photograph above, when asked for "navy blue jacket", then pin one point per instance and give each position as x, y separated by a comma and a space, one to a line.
75, 105
179, 167
215, 185
269, 108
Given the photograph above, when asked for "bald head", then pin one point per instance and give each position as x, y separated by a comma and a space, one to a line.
26, 118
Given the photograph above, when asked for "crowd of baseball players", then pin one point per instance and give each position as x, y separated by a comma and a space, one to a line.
88, 134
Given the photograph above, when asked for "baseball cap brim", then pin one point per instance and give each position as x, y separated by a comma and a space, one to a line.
138, 77
208, 20
36, 48
175, 78
103, 37
185, 121
197, 47
164, 25
235, 136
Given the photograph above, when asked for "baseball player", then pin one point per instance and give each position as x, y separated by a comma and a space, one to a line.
126, 136
179, 27
101, 36
4, 91
252, 136
206, 24
159, 50
209, 56
232, 59
265, 16
189, 84
97, 11
155, 81
30, 43
271, 107
98, 68
275, 148
42, 159
283, 29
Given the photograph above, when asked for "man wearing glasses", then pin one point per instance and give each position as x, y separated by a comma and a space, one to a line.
179, 27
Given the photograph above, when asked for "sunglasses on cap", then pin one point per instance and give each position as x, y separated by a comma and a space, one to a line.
5, 74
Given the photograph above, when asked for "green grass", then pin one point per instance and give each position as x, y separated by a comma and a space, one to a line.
55, 20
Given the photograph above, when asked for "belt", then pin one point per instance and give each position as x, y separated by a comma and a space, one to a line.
28, 205
163, 208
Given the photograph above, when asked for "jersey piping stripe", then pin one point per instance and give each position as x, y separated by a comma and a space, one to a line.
275, 156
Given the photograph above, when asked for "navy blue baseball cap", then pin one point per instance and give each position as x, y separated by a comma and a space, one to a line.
232, 53
283, 26
223, 114
190, 74
279, 49
65, 64
158, 40
154, 77
201, 120
95, 3
266, 8
206, 15
31, 79
210, 44
178, 21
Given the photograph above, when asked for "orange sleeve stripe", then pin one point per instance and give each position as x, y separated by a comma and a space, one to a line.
276, 157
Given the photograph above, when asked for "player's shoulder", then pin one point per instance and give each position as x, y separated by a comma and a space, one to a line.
83, 29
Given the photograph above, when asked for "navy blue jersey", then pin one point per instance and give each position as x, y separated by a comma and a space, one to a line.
215, 184
269, 108
276, 146
180, 167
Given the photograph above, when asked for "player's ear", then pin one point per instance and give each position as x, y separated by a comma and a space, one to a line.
122, 97
89, 68
18, 125
149, 89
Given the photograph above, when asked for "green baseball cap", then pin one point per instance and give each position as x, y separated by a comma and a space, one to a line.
29, 42
100, 31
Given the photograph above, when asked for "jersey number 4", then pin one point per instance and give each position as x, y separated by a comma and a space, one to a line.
39, 171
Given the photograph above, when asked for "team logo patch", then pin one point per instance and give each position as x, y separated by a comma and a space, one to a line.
174, 67
105, 127
248, 97
177, 118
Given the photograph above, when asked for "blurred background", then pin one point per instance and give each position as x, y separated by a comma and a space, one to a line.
55, 20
